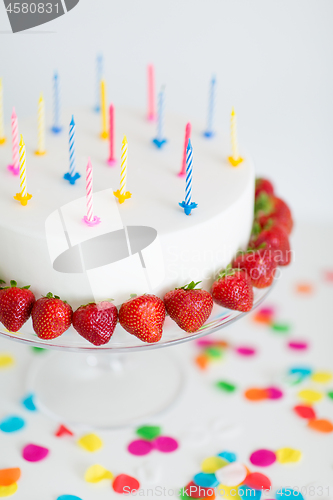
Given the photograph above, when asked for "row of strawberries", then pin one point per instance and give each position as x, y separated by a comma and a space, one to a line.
188, 306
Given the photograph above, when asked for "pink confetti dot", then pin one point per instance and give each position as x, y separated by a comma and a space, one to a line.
34, 453
329, 276
267, 311
204, 342
298, 345
263, 458
140, 447
274, 393
245, 351
165, 444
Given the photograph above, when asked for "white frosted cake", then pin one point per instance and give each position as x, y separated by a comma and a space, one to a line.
146, 244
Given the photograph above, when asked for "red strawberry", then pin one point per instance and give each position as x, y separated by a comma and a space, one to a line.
271, 210
51, 317
276, 239
143, 317
15, 306
189, 308
233, 290
263, 186
259, 265
96, 322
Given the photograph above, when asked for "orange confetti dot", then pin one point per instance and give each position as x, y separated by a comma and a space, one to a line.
221, 343
321, 425
262, 318
255, 394
9, 476
202, 361
305, 288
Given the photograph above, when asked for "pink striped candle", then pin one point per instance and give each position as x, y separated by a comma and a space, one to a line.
90, 219
182, 172
111, 160
15, 167
151, 116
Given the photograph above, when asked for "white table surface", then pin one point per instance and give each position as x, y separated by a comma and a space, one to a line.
222, 421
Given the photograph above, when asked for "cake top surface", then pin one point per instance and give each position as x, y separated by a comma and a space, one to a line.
151, 173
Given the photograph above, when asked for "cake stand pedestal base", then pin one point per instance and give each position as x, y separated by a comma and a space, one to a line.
105, 390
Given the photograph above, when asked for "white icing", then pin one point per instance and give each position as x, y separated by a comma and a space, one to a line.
186, 248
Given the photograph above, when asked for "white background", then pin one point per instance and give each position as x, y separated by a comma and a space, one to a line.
273, 61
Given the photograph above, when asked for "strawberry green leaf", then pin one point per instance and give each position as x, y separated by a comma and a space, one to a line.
190, 286
13, 283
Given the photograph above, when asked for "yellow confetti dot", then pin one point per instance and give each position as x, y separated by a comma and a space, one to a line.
90, 442
310, 396
321, 377
286, 455
97, 473
7, 491
212, 464
228, 492
6, 360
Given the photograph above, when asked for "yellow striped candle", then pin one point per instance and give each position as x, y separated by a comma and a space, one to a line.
104, 111
23, 197
41, 127
235, 159
122, 194
2, 128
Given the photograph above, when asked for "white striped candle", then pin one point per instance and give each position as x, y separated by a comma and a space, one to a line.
15, 166
41, 127
90, 219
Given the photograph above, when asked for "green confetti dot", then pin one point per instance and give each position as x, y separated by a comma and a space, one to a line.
281, 327
214, 352
330, 394
149, 432
225, 386
38, 350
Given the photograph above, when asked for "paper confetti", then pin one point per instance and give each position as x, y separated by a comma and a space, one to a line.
90, 442
68, 497
125, 484
38, 350
330, 394
304, 411
202, 361
140, 447
228, 492
34, 453
245, 493
274, 393
288, 493
287, 455
263, 457
304, 288
212, 464
195, 491
63, 431
165, 444
281, 327
229, 456
28, 403
205, 480
245, 351
310, 396
232, 474
9, 476
12, 424
298, 345
149, 432
256, 394
328, 276
257, 481
225, 386
7, 491
321, 377
6, 360
97, 473
321, 425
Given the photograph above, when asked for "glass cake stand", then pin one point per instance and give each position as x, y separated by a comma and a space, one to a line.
121, 383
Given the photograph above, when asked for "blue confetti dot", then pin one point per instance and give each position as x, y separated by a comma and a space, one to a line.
205, 480
228, 455
288, 493
12, 424
68, 497
249, 493
28, 403
302, 371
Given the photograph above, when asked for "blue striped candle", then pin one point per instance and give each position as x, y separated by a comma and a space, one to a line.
188, 205
57, 128
160, 140
72, 175
211, 110
99, 77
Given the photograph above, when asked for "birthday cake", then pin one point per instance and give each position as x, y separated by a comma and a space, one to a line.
146, 244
